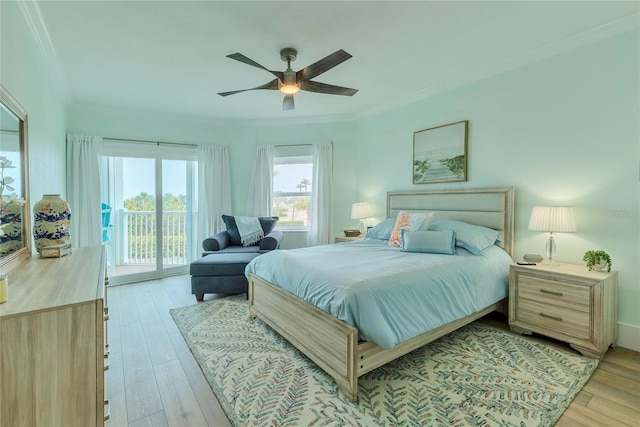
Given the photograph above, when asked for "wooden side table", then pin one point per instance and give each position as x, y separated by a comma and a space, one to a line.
566, 302
347, 239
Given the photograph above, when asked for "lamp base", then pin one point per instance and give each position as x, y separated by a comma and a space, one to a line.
550, 250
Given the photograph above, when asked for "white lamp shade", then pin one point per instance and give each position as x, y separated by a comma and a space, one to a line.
552, 219
360, 210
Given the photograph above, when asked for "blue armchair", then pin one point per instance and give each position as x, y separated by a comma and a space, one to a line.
224, 258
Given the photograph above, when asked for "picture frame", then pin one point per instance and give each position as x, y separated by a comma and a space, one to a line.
440, 153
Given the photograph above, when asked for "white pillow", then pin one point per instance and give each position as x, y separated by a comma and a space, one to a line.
474, 238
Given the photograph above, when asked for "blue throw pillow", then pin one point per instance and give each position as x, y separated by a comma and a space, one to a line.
473, 238
382, 230
267, 223
433, 242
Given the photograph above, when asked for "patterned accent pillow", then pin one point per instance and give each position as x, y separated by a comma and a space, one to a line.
410, 222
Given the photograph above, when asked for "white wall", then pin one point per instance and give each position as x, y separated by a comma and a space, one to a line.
31, 81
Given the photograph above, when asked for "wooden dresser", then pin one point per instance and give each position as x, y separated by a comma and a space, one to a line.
53, 342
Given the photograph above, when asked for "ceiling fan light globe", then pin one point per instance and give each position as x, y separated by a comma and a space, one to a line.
289, 89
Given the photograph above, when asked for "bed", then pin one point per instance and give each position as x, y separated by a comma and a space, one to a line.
334, 344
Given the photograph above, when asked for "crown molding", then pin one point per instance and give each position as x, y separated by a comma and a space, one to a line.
33, 18
601, 32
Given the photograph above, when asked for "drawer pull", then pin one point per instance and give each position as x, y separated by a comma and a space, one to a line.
107, 412
545, 291
559, 319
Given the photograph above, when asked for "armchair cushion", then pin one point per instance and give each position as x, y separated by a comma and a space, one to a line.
217, 242
267, 224
271, 241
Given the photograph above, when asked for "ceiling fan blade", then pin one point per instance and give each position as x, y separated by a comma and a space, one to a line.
240, 57
272, 85
287, 103
311, 86
325, 64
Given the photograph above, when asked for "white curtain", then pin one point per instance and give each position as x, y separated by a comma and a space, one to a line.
259, 201
214, 189
320, 227
83, 189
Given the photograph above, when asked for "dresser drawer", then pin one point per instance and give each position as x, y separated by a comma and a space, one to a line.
576, 297
574, 323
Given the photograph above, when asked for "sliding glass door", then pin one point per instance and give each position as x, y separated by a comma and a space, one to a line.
149, 200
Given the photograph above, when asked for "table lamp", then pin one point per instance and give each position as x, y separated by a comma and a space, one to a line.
558, 219
361, 211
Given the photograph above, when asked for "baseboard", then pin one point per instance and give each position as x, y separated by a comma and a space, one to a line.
628, 336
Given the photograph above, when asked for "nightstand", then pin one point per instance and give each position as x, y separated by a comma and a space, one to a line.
566, 302
347, 239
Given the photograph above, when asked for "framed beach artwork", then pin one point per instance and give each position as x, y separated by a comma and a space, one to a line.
440, 153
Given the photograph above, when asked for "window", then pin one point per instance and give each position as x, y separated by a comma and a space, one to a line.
292, 172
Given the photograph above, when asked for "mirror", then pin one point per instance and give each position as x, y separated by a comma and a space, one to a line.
15, 216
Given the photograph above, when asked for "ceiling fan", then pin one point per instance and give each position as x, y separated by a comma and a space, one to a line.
290, 82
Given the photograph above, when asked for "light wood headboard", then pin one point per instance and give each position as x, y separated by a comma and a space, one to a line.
490, 207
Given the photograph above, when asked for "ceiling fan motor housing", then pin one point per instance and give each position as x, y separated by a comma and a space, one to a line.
288, 54
289, 77
289, 84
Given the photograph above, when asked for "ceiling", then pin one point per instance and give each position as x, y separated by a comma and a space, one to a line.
169, 57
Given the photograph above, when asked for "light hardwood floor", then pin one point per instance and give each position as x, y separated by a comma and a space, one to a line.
154, 381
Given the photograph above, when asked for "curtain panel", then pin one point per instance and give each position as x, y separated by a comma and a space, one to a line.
260, 198
214, 189
320, 227
83, 189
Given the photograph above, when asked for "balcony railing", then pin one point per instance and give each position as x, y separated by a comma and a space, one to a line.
137, 230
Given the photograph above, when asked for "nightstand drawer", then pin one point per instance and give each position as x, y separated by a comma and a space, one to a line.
577, 297
570, 322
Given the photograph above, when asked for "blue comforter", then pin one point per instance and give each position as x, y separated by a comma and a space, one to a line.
389, 295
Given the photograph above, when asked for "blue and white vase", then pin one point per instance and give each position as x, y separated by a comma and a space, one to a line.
51, 221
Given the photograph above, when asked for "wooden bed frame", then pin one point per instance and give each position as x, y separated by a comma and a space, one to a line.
332, 344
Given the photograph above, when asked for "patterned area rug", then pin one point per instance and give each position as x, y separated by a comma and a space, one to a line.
475, 376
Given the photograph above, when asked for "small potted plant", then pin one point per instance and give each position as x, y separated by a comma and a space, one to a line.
597, 260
